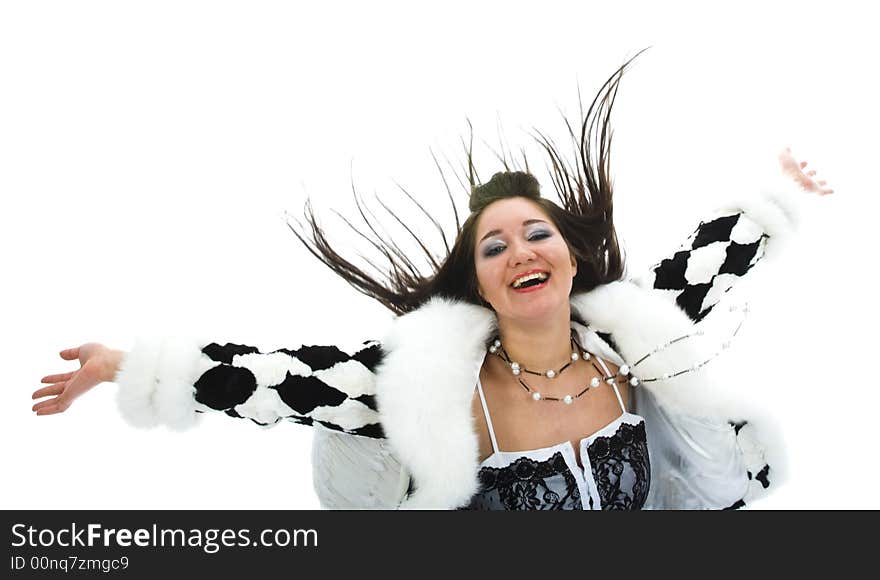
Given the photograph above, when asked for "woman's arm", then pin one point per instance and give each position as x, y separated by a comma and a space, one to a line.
311, 385
725, 247
173, 381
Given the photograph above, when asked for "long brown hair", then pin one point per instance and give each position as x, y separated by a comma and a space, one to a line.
584, 218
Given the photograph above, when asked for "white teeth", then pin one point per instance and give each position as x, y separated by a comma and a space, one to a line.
536, 276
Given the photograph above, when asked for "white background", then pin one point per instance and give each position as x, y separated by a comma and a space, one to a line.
148, 149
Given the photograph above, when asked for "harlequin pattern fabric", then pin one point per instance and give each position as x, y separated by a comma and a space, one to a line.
708, 264
311, 385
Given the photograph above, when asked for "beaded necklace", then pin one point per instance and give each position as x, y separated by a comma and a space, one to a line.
577, 353
624, 371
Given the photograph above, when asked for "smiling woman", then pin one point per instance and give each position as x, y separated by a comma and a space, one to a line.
523, 370
524, 255
525, 270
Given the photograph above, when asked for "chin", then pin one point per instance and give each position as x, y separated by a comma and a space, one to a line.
536, 311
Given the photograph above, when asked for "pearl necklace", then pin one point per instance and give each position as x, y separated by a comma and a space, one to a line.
624, 370
516, 368
576, 354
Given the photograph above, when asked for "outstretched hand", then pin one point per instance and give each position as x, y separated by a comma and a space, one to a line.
795, 170
97, 364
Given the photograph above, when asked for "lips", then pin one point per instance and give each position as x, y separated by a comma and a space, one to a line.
529, 273
527, 278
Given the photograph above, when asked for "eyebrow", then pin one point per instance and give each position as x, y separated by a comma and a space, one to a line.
525, 223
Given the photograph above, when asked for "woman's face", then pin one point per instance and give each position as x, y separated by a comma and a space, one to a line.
524, 267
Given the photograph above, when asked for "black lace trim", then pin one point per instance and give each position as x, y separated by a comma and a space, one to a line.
523, 485
619, 462
621, 467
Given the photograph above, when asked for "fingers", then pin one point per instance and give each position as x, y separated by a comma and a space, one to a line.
821, 183
57, 378
810, 183
56, 389
50, 410
44, 404
70, 353
54, 404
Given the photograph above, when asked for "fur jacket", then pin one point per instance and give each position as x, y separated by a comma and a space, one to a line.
393, 418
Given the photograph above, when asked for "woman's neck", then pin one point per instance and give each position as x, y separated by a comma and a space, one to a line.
538, 346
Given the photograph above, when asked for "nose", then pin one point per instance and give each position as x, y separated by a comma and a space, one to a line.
520, 253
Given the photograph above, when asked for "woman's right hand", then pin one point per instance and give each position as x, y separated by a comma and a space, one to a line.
795, 170
97, 365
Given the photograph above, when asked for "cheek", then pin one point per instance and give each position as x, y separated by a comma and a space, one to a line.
480, 273
487, 276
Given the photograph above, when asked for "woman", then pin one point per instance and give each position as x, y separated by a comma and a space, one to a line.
522, 372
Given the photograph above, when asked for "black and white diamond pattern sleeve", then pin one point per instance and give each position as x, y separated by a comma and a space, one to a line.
719, 252
172, 382
726, 246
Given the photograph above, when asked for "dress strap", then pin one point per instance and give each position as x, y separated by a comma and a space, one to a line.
486, 414
613, 384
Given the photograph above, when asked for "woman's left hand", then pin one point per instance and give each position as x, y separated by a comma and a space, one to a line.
791, 168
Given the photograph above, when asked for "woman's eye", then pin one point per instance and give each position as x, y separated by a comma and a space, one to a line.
493, 250
540, 235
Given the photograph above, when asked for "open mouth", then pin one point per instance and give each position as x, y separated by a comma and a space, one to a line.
530, 281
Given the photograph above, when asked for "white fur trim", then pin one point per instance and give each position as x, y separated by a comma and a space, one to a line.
136, 378
642, 320
156, 379
594, 344
778, 210
179, 369
424, 390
